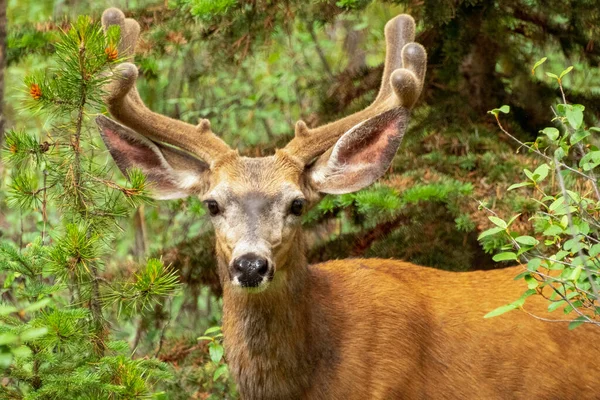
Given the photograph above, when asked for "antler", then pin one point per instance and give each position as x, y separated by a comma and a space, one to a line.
125, 105
401, 85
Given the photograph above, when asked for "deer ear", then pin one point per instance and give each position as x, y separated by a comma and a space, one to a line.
172, 173
361, 155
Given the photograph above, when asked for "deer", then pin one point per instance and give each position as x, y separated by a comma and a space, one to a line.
342, 329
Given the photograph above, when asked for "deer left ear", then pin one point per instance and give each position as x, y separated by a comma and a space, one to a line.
361, 155
171, 172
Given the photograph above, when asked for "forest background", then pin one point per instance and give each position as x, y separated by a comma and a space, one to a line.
141, 288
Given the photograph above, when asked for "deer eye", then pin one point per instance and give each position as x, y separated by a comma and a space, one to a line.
297, 207
213, 207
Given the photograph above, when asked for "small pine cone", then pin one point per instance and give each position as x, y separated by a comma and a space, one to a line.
35, 91
112, 53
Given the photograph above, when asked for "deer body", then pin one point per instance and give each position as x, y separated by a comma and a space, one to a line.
384, 329
404, 337
352, 329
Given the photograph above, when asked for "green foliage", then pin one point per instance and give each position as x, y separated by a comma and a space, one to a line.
220, 376
561, 255
55, 339
352, 4
150, 285
207, 10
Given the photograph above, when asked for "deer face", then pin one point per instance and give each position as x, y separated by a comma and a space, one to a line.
256, 203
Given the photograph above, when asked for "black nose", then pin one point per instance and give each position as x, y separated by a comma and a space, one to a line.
250, 269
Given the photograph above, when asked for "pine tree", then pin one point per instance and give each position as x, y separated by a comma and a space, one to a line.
57, 309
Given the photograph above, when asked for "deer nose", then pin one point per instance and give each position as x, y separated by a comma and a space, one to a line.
250, 269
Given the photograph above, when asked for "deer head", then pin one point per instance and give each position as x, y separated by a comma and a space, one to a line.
256, 203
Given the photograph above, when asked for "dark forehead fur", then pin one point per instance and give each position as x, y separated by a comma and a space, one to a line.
260, 174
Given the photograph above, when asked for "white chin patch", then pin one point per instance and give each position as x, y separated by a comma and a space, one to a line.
235, 282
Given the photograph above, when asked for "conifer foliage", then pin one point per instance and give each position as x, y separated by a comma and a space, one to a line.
57, 308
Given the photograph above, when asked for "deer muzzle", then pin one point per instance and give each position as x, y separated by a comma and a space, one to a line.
251, 271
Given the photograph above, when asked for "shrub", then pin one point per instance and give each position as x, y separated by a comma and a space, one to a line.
560, 256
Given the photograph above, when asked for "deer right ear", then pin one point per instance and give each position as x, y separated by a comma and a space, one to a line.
361, 155
173, 173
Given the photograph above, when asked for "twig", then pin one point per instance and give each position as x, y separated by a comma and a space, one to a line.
579, 146
162, 334
44, 205
320, 53
536, 151
561, 182
556, 320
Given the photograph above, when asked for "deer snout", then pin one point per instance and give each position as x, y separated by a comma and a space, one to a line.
251, 270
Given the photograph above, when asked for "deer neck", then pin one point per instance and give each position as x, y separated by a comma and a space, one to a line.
269, 335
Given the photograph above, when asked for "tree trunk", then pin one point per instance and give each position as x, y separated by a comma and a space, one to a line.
2, 66
141, 243
353, 46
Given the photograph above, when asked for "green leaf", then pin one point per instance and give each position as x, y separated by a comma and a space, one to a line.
566, 71
560, 255
575, 117
522, 275
558, 204
532, 283
595, 250
576, 322
506, 256
514, 217
541, 172
579, 136
219, 371
500, 310
551, 75
527, 240
489, 232
537, 64
556, 304
553, 230
212, 330
574, 276
216, 352
518, 185
534, 264
573, 197
552, 133
205, 338
504, 109
498, 222
570, 244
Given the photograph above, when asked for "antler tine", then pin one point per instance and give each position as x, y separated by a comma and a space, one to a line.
401, 85
130, 31
125, 104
